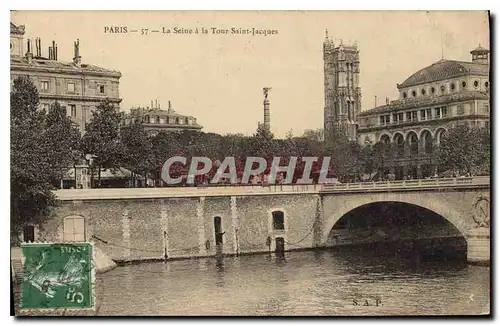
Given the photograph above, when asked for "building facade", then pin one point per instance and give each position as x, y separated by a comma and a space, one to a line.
155, 119
342, 91
78, 87
433, 99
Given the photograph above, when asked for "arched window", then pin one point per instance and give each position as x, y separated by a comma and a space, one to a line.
400, 142
278, 220
176, 121
386, 144
413, 143
426, 139
439, 136
74, 229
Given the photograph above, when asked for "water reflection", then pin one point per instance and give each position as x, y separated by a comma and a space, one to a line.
219, 270
296, 283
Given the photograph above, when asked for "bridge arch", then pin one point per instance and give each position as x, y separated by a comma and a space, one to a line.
442, 208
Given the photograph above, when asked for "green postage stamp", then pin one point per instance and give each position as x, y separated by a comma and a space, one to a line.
57, 276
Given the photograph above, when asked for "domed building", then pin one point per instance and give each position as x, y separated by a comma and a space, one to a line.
431, 100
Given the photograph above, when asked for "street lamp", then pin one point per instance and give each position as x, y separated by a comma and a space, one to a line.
90, 159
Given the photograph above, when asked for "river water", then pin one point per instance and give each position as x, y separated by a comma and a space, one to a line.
320, 283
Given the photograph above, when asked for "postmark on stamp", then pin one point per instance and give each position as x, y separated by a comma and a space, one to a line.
57, 275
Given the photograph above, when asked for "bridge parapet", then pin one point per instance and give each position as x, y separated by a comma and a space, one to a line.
173, 192
235, 190
409, 184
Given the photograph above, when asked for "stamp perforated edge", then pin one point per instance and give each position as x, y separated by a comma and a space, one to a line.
27, 311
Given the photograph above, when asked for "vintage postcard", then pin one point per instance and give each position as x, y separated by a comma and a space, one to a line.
258, 163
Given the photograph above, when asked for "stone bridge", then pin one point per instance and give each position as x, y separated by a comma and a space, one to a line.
159, 223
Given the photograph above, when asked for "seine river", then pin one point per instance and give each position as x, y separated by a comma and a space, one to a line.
322, 283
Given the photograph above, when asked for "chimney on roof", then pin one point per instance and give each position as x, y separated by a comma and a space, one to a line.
169, 107
386, 100
29, 54
54, 55
37, 49
77, 59
151, 104
50, 53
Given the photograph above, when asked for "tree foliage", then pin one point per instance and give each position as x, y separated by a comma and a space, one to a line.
102, 137
137, 149
42, 144
464, 149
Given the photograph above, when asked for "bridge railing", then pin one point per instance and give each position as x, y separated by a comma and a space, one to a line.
418, 183
268, 187
127, 193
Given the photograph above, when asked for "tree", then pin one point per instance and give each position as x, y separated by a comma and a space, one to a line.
316, 135
261, 143
102, 138
463, 149
62, 140
345, 156
137, 149
41, 146
164, 146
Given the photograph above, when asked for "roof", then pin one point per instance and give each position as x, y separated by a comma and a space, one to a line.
116, 173
479, 49
69, 67
445, 69
417, 103
160, 113
16, 29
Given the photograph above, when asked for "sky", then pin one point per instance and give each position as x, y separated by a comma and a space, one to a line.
218, 78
